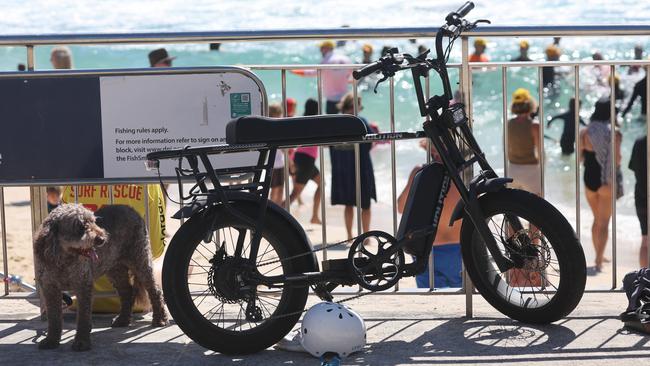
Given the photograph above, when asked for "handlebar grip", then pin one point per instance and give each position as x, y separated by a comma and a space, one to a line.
465, 9
367, 70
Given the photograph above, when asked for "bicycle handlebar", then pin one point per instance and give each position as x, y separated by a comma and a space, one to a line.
367, 70
465, 9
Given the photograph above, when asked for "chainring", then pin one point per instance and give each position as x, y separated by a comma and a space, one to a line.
373, 265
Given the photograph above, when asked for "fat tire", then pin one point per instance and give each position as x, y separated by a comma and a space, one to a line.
181, 305
558, 232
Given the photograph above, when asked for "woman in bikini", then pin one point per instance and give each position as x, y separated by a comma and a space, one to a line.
596, 156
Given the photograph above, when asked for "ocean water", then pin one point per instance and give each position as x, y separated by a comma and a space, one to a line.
46, 17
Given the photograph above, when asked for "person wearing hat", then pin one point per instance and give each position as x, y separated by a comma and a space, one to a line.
523, 52
553, 53
523, 143
367, 53
596, 156
523, 154
160, 58
335, 81
479, 51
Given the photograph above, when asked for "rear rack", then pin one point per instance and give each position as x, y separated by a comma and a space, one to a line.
249, 178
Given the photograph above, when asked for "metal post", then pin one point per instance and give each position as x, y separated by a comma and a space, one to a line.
30, 58
466, 83
427, 93
647, 125
540, 79
111, 199
393, 161
321, 152
504, 87
430, 264
576, 97
285, 152
357, 161
392, 154
3, 226
612, 105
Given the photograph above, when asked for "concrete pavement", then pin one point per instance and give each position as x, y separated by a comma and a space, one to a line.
402, 330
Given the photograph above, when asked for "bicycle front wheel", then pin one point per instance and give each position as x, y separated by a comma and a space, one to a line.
549, 276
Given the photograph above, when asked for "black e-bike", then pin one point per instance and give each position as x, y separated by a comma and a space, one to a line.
237, 273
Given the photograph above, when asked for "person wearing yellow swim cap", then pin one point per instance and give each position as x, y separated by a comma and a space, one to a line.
523, 141
479, 51
523, 52
553, 53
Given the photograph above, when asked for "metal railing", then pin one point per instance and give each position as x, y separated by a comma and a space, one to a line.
29, 42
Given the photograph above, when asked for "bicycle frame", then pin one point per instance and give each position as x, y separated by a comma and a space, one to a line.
446, 128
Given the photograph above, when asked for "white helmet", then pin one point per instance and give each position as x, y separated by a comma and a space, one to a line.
331, 327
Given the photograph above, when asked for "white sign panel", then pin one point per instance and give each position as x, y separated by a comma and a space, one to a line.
146, 113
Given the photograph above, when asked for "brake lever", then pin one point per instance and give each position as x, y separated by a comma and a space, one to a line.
474, 24
384, 78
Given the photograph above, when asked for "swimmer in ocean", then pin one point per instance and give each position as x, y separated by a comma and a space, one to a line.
567, 141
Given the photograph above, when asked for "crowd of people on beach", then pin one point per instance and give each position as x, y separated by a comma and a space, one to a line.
523, 150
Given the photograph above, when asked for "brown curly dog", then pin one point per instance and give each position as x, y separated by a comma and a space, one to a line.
74, 247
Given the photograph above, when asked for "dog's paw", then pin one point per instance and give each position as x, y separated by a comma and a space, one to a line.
81, 345
159, 321
48, 343
121, 321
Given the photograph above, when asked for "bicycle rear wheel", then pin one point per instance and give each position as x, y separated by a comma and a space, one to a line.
550, 271
207, 283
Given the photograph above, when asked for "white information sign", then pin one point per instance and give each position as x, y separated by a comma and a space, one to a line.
145, 113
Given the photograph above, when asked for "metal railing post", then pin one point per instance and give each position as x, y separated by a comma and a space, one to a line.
466, 84
430, 264
612, 105
393, 169
357, 161
321, 155
30, 58
647, 125
540, 78
504, 87
577, 143
3, 227
285, 152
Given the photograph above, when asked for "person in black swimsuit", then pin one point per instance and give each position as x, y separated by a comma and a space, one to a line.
567, 141
596, 155
638, 161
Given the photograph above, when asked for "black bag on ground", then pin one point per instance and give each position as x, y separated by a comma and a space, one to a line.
637, 288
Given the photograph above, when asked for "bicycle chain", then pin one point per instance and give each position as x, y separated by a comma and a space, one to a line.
327, 246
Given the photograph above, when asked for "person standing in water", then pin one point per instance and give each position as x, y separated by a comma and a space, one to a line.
523, 52
567, 141
335, 81
479, 51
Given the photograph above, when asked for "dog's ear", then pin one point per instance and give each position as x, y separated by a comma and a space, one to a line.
47, 240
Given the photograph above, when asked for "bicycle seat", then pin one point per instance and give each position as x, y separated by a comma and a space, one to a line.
295, 130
